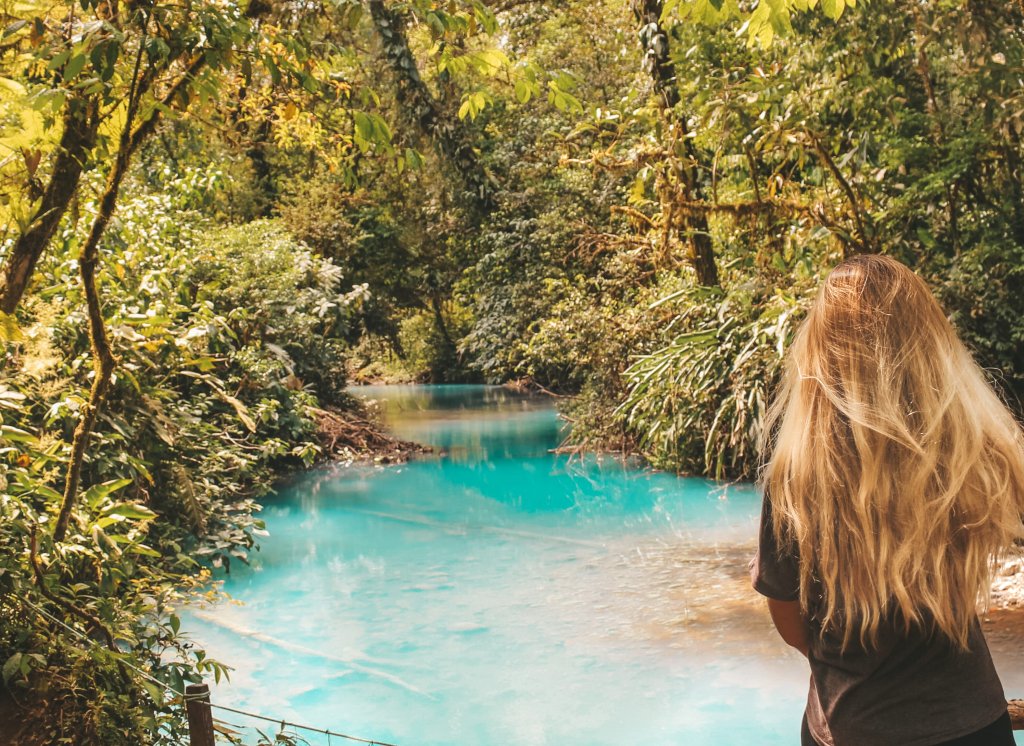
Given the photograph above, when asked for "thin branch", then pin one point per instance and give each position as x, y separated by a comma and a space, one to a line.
633, 213
865, 244
88, 260
37, 572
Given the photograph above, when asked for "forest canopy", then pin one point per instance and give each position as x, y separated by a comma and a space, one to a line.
218, 215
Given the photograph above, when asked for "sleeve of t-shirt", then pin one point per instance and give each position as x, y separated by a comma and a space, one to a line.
773, 573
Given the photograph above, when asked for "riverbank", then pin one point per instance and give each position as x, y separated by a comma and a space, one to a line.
1008, 584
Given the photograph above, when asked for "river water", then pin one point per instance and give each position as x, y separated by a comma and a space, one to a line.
495, 594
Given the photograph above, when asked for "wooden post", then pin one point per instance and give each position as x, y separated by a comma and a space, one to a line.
200, 716
1016, 710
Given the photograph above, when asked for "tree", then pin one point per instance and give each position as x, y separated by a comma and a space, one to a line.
420, 110
683, 173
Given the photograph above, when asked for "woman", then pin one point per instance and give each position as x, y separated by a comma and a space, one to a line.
893, 478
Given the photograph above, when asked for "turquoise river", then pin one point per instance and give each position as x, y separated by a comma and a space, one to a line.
493, 593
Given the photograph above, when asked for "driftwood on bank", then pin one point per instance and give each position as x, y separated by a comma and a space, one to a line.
527, 385
354, 434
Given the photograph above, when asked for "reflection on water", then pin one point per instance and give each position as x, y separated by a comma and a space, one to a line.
495, 594
468, 424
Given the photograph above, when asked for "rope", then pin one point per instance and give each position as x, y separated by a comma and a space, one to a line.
198, 698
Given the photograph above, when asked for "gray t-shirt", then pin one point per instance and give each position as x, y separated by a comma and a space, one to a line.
913, 689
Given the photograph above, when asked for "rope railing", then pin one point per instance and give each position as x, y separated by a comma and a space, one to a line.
196, 697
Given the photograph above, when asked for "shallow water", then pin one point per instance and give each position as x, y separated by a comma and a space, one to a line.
495, 594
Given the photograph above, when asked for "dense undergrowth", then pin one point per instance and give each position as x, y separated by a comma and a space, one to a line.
228, 341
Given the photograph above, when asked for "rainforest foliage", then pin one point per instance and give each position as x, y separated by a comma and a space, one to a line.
217, 214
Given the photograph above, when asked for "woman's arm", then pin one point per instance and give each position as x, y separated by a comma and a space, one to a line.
790, 623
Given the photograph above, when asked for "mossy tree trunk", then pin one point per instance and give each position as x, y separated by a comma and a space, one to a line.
693, 231
418, 106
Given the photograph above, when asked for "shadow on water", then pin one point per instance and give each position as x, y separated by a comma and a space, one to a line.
497, 594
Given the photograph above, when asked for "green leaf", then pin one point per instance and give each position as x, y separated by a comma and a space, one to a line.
695, 337
155, 692
413, 158
99, 492
565, 81
435, 23
486, 18
14, 28
273, 69
157, 49
381, 130
492, 61
47, 493
833, 8
355, 14
363, 130
143, 550
11, 667
74, 67
204, 364
16, 434
666, 9
58, 60
113, 52
562, 100
131, 511
14, 87
524, 91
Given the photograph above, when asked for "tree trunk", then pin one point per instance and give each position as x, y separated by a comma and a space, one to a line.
693, 231
81, 121
81, 124
256, 152
418, 105
448, 355
864, 243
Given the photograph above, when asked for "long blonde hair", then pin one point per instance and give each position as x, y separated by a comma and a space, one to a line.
891, 464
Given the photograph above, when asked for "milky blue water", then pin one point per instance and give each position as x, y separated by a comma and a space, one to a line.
493, 593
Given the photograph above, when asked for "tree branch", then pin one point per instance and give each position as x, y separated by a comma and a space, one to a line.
37, 572
103, 356
866, 243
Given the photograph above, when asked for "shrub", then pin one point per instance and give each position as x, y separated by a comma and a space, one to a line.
228, 339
